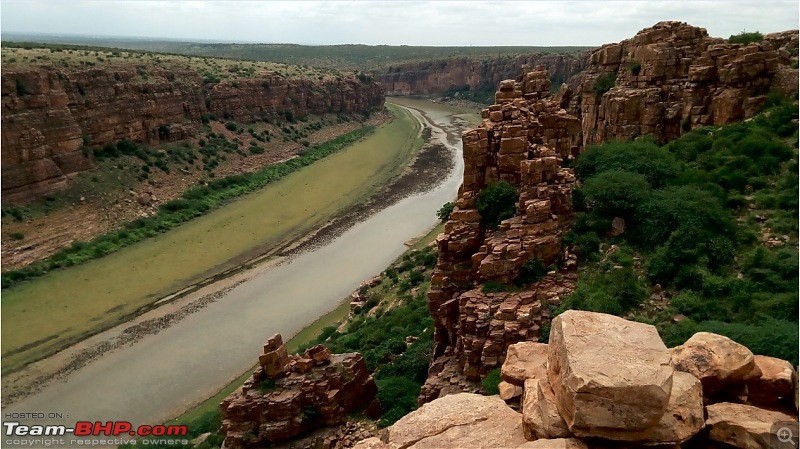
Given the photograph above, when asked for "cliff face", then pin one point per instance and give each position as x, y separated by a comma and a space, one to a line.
683, 76
435, 77
49, 115
523, 140
673, 77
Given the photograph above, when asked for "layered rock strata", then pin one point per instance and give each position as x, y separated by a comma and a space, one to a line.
673, 77
289, 396
52, 118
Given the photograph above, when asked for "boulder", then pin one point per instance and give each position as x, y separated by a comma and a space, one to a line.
719, 362
461, 420
540, 418
525, 360
748, 427
774, 384
609, 375
509, 391
684, 417
557, 443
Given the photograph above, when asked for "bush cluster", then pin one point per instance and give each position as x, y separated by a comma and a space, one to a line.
692, 211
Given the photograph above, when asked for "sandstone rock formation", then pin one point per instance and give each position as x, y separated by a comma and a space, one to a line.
461, 420
748, 427
672, 77
436, 77
523, 140
291, 395
632, 399
775, 384
610, 376
667, 79
62, 111
716, 360
524, 360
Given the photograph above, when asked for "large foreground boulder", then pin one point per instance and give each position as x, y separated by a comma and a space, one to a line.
749, 427
610, 376
460, 421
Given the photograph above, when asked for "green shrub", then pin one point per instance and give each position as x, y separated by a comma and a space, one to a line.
746, 38
604, 83
635, 67
230, 126
445, 211
532, 271
496, 202
17, 236
491, 381
493, 287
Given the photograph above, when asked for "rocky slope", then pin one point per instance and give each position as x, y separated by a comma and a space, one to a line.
49, 115
673, 77
620, 388
291, 395
526, 137
435, 77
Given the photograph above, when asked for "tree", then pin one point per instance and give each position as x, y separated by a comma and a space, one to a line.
496, 202
445, 210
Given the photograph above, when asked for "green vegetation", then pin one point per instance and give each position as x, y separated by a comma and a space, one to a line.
491, 381
636, 67
712, 217
98, 294
746, 38
445, 211
496, 202
604, 83
395, 309
341, 57
193, 203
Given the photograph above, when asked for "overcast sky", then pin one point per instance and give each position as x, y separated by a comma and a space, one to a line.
391, 22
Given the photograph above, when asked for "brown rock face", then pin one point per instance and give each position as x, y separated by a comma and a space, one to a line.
288, 396
672, 77
773, 383
749, 427
61, 111
540, 417
719, 362
435, 77
523, 140
610, 376
525, 360
458, 421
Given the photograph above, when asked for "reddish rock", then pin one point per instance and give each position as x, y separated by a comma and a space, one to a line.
720, 363
773, 382
63, 110
271, 408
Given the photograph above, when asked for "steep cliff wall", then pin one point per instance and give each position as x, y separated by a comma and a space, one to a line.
673, 77
435, 77
50, 115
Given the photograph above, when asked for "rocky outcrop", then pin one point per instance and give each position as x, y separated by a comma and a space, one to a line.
436, 77
53, 118
666, 80
523, 140
461, 420
673, 77
291, 395
607, 383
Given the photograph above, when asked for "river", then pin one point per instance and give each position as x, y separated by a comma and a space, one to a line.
160, 376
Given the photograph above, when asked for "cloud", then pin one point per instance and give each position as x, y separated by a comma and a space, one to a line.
392, 22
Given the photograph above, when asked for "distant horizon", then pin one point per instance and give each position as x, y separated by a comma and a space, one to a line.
392, 23
121, 38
